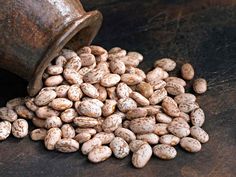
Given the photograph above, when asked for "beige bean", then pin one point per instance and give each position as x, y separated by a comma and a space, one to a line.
166, 64
60, 60
164, 151
97, 50
130, 61
44, 97
158, 96
140, 99
140, 73
87, 59
153, 109
82, 137
53, 122
94, 101
163, 118
169, 139
89, 90
159, 85
160, 129
38, 122
11, 104
94, 76
150, 138
99, 154
190, 144
112, 122
85, 70
73, 63
54, 69
197, 117
67, 131
110, 80
185, 116
91, 131
134, 145
174, 88
74, 93
105, 137
155, 75
90, 145
109, 107
111, 92
29, 103
187, 107
131, 79
170, 107
126, 104
38, 134
5, 129
199, 134
67, 53
136, 113
19, 128
62, 91
117, 67
136, 55
85, 49
187, 71
200, 85
143, 125
72, 76
142, 156
185, 97
179, 127
102, 93
53, 80
86, 122
24, 112
103, 66
176, 80
125, 133
68, 115
123, 90
61, 104
119, 147
116, 53
67, 145
52, 137
8, 114
89, 108
145, 89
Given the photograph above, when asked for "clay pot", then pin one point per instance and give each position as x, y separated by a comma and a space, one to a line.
33, 32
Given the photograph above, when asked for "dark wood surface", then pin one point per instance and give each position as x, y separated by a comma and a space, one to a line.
201, 32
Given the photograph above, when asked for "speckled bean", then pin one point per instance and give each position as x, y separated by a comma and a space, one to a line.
19, 128
99, 154
5, 129
142, 156
119, 147
164, 151
8, 114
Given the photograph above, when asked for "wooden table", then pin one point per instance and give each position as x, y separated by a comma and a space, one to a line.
202, 32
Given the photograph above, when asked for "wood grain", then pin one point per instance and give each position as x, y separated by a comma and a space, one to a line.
201, 32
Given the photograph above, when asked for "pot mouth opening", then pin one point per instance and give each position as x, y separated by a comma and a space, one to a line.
77, 34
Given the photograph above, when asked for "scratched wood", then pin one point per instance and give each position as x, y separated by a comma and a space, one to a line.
201, 32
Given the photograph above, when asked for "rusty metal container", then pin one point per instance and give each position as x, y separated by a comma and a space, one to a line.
33, 32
